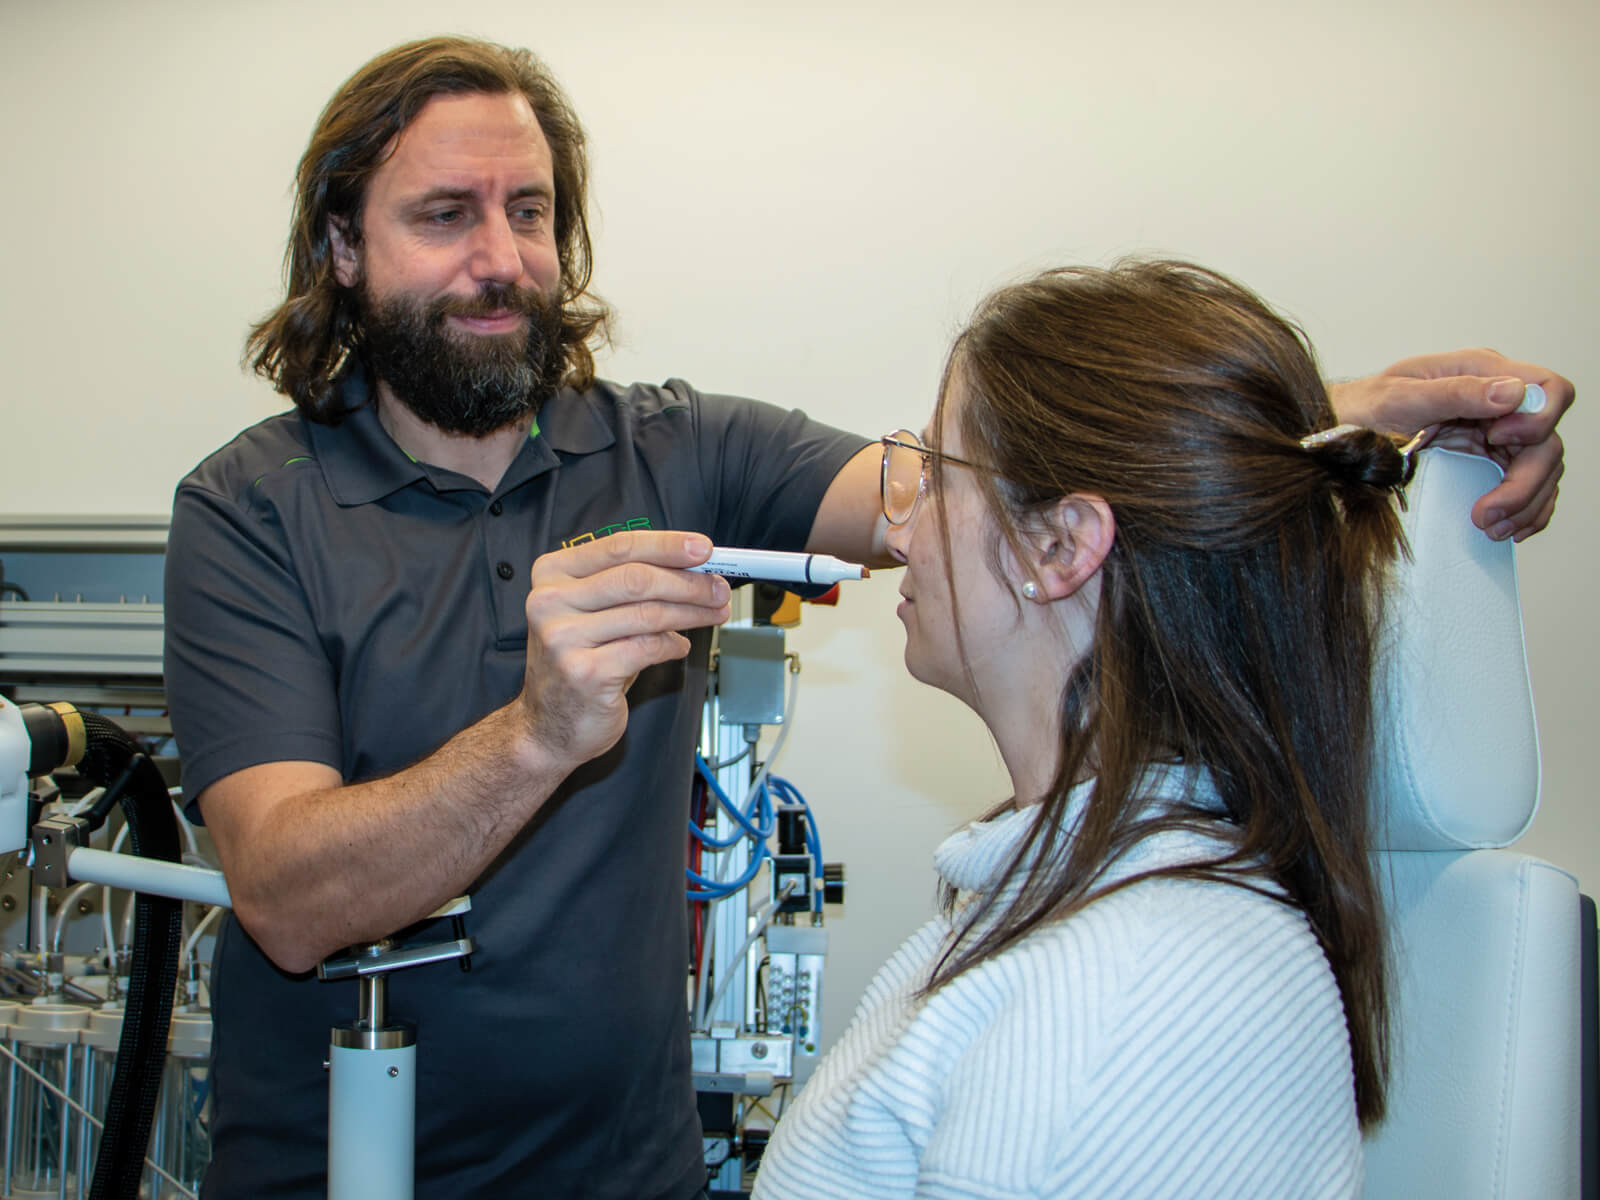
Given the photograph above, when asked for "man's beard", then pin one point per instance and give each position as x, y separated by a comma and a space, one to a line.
464, 383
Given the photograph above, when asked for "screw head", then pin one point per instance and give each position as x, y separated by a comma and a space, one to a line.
394, 1072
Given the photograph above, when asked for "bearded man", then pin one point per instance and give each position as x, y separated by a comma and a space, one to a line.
364, 721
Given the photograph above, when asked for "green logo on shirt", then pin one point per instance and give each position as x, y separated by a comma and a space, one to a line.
607, 530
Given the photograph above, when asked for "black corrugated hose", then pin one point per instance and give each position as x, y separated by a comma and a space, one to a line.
113, 760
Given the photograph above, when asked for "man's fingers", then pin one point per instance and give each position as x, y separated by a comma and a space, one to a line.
1524, 499
1474, 360
627, 569
638, 583
661, 548
1473, 384
613, 665
572, 629
1526, 429
1538, 524
665, 598
1412, 403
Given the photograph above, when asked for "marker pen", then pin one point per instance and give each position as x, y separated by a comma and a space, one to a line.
780, 566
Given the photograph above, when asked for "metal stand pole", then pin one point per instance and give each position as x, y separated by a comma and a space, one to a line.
372, 1071
372, 1103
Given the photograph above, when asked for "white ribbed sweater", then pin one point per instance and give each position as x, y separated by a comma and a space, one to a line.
1177, 1038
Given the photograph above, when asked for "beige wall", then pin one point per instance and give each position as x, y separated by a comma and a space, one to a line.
802, 205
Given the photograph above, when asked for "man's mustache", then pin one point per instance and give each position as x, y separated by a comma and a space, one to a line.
491, 300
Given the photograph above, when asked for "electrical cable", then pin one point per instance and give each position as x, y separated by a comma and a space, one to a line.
787, 793
41, 921
701, 972
735, 760
758, 822
762, 1024
112, 944
713, 890
83, 804
788, 721
111, 754
755, 807
732, 886
762, 918
184, 827
63, 910
203, 924
697, 912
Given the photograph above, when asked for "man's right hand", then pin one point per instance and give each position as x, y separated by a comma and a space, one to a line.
598, 614
313, 864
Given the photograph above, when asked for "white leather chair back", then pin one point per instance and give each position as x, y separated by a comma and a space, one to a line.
1484, 1096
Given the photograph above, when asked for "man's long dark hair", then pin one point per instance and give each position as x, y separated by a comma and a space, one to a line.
1239, 599
300, 345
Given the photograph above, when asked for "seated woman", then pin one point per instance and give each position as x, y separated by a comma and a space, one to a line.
1159, 969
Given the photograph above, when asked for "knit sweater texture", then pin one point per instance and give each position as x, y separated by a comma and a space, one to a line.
1175, 1038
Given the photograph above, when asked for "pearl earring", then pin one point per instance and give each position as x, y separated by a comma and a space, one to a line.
1030, 589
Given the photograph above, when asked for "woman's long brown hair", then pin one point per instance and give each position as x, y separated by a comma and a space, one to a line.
1239, 599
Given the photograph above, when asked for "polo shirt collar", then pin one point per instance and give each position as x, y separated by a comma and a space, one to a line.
362, 463
572, 423
358, 458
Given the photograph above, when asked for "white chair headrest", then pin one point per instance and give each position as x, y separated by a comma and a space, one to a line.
1457, 751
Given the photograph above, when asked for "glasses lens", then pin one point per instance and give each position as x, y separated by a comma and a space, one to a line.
902, 476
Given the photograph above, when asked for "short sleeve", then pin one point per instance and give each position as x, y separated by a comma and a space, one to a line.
248, 681
767, 469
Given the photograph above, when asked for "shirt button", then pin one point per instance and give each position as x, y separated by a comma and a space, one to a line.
505, 570
496, 509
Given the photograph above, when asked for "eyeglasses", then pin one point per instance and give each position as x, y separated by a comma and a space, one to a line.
904, 478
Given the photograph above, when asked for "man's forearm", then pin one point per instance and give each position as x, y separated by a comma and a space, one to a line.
324, 868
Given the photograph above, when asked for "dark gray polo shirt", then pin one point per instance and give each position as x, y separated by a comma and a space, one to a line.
329, 599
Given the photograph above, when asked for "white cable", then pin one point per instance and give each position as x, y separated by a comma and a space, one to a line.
85, 802
89, 1116
105, 902
105, 928
762, 919
783, 731
194, 938
183, 822
707, 937
67, 902
41, 918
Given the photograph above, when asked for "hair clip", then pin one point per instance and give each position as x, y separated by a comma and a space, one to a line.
1323, 436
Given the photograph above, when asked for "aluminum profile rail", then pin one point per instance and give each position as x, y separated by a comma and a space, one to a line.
94, 609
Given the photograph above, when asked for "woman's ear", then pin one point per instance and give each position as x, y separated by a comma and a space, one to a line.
346, 262
1070, 541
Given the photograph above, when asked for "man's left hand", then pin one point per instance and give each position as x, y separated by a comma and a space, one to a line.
1467, 400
